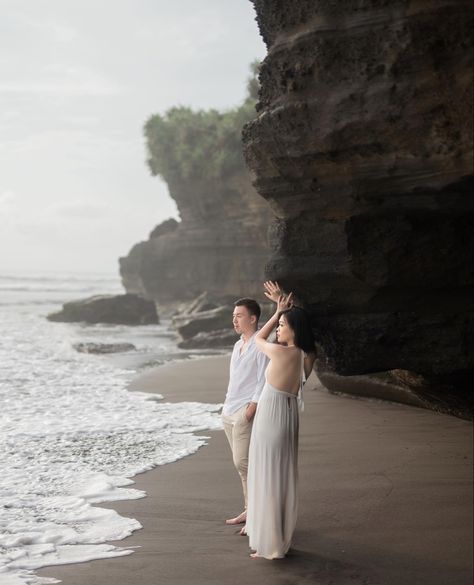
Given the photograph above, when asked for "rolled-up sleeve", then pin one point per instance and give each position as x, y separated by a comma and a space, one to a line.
262, 362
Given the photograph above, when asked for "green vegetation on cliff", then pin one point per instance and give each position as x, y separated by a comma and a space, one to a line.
204, 144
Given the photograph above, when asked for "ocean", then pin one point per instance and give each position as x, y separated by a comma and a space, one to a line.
71, 435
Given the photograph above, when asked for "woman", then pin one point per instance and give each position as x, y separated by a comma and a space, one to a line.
273, 454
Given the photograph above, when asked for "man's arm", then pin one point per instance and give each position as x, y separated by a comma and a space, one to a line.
232, 359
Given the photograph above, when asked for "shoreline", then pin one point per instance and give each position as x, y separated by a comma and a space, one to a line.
385, 498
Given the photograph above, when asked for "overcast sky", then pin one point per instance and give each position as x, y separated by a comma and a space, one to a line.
78, 78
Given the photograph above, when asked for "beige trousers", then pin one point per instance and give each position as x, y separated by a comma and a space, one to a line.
238, 430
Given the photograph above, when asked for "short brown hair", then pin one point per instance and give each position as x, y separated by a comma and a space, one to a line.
252, 306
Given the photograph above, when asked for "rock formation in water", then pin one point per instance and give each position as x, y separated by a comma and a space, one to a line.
127, 309
220, 244
363, 148
103, 348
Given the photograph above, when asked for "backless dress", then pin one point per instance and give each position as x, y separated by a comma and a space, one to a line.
273, 471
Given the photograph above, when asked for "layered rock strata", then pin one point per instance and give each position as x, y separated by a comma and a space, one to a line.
363, 148
219, 246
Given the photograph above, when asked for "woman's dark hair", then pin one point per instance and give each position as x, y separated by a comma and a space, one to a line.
252, 306
299, 321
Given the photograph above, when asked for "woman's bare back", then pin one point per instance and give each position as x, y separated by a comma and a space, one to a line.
284, 369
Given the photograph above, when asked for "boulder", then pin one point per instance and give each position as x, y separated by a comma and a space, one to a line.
191, 324
127, 309
223, 338
100, 348
202, 302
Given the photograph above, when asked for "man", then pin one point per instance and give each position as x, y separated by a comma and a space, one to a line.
246, 381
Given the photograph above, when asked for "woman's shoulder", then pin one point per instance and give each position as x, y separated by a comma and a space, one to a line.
291, 348
289, 353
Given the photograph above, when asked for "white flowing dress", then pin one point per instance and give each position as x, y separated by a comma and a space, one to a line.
272, 479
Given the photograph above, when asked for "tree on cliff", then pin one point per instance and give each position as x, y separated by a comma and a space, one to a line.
203, 144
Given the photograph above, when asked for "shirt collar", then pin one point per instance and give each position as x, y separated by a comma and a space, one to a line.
251, 338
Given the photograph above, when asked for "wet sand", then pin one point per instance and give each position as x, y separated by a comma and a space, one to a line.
385, 499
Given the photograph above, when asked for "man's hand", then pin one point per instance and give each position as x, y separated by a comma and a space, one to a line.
250, 411
272, 290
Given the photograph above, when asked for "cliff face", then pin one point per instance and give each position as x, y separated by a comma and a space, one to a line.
363, 149
220, 245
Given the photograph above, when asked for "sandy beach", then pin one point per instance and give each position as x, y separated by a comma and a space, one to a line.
385, 499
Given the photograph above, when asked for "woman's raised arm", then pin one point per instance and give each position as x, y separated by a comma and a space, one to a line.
284, 302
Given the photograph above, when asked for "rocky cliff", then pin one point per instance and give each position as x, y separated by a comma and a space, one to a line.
363, 149
219, 246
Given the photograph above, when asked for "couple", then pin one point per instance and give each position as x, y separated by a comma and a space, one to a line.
266, 380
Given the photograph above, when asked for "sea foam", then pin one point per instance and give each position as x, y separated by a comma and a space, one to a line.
72, 436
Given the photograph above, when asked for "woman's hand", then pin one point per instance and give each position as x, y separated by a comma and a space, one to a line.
272, 290
285, 302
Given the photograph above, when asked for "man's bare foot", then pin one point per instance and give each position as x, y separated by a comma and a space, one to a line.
240, 519
255, 555
243, 531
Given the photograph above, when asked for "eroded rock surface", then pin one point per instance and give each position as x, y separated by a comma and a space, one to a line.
363, 148
220, 245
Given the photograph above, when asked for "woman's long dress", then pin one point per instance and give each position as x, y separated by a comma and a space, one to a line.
272, 479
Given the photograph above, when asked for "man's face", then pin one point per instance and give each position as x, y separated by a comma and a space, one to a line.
243, 321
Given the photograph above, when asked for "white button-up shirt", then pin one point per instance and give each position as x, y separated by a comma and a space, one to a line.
247, 376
